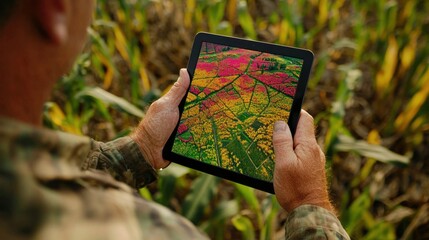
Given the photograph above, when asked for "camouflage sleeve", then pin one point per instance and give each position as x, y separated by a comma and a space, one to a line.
313, 222
122, 159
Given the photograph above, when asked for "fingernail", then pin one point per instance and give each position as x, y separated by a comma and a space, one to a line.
182, 73
280, 126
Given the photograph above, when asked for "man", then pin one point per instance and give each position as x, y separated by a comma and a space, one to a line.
58, 186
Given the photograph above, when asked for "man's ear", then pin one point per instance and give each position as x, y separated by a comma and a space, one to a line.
52, 18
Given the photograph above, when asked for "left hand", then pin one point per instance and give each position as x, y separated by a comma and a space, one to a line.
161, 118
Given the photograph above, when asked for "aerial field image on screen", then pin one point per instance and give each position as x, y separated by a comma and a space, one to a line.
235, 97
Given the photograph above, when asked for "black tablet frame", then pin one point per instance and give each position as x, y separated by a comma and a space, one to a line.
307, 57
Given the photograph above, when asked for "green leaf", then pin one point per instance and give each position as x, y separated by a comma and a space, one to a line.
269, 225
338, 110
244, 225
144, 192
363, 148
245, 19
354, 214
215, 14
167, 183
248, 194
111, 99
382, 230
224, 210
225, 28
103, 109
202, 191
215, 224
166, 188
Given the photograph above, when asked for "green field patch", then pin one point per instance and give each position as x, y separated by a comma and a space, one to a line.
258, 156
237, 149
189, 150
244, 115
256, 125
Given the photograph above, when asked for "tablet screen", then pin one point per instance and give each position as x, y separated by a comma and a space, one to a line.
234, 99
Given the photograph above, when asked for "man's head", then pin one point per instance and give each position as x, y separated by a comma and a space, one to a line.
5, 7
39, 41
48, 24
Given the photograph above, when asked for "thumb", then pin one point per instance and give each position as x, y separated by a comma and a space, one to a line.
283, 142
178, 91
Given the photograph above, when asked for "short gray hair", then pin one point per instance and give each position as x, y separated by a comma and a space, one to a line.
6, 7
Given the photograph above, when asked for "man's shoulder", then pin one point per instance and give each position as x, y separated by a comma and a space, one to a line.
31, 138
48, 154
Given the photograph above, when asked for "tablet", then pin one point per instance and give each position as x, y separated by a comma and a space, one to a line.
239, 89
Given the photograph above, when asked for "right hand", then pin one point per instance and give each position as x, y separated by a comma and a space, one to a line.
161, 118
299, 175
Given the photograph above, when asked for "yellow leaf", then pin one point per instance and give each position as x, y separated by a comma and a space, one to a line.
385, 74
121, 15
71, 129
417, 123
121, 43
413, 107
144, 78
283, 31
313, 2
108, 76
232, 11
374, 137
409, 52
407, 11
56, 115
322, 17
138, 24
190, 8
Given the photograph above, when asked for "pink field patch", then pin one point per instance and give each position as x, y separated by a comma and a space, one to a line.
260, 89
224, 80
273, 78
207, 91
194, 90
226, 71
207, 104
228, 95
245, 83
259, 64
237, 62
288, 90
206, 66
182, 128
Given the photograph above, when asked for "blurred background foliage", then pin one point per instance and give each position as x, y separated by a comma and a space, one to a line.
368, 92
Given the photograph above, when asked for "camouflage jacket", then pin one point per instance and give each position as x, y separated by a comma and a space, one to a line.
54, 186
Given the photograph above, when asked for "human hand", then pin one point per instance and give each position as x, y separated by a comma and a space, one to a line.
299, 175
161, 118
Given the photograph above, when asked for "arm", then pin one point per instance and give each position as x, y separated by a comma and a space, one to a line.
300, 183
134, 159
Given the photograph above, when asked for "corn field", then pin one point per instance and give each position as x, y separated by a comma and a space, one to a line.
368, 92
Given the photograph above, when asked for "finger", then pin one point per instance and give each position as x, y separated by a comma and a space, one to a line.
178, 91
305, 133
282, 142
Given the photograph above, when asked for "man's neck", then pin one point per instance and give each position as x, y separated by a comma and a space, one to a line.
25, 86
19, 102
25, 79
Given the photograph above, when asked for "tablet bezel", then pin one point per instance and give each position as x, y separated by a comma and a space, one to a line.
304, 54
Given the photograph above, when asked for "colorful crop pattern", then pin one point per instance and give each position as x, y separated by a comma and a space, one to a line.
235, 97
